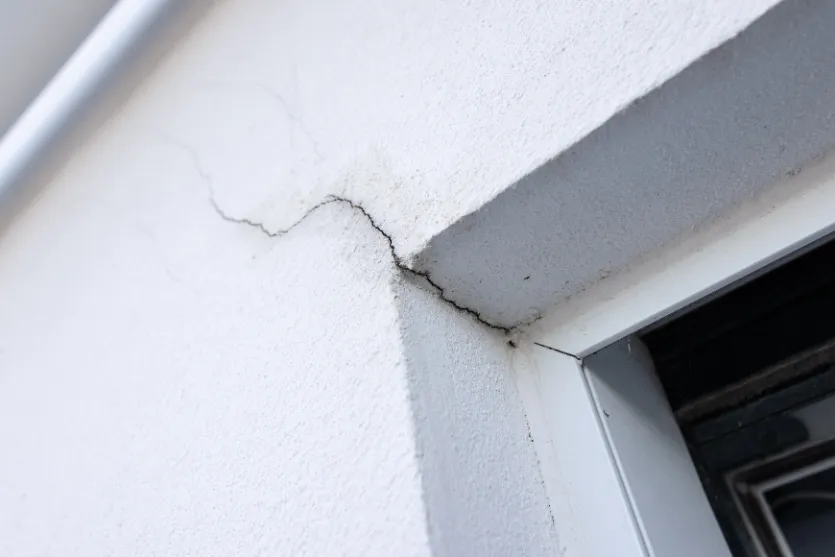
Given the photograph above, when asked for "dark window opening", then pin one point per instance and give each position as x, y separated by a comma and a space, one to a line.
750, 376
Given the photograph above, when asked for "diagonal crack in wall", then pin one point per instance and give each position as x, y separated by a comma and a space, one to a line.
396, 259
328, 200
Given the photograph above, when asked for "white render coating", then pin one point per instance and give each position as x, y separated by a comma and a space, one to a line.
721, 133
468, 417
173, 382
420, 110
159, 394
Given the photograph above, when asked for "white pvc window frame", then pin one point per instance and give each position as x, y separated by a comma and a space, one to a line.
619, 476
770, 532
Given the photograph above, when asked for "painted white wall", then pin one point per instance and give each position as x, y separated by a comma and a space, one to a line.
682, 158
441, 104
172, 382
481, 480
164, 393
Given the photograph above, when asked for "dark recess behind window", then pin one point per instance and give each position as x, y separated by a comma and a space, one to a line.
787, 310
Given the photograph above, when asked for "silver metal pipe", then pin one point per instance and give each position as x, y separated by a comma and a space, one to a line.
113, 40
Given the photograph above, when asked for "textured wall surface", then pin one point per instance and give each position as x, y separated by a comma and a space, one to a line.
727, 129
480, 476
179, 376
440, 104
164, 391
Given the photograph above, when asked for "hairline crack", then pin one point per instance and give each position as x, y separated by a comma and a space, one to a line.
328, 200
398, 261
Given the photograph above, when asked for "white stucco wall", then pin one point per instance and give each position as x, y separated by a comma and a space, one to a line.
162, 393
472, 435
722, 133
440, 104
172, 382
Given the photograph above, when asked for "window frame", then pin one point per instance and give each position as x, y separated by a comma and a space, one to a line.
783, 223
563, 380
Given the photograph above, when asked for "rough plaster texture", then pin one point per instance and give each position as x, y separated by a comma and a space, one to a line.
163, 392
468, 418
420, 110
175, 383
726, 129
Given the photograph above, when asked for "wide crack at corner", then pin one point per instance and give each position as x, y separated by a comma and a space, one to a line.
398, 262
